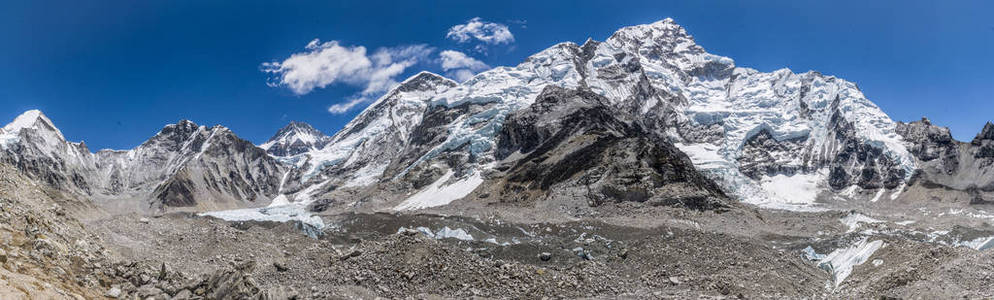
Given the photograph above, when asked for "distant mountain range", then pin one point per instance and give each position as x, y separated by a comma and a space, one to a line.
645, 116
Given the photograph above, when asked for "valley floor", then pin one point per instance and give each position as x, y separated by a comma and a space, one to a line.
56, 247
743, 253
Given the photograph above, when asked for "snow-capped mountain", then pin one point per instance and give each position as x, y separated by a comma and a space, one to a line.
184, 165
32, 143
817, 128
295, 138
779, 138
360, 153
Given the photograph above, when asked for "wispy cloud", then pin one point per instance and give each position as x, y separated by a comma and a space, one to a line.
522, 23
459, 65
328, 63
339, 108
485, 32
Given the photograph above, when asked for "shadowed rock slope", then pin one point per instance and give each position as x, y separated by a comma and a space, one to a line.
572, 144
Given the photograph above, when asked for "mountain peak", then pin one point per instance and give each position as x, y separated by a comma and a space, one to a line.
664, 27
295, 138
32, 119
985, 134
184, 124
174, 134
668, 41
294, 127
424, 81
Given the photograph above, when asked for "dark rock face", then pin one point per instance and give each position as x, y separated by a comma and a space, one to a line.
763, 155
857, 163
986, 134
929, 143
985, 142
228, 168
176, 192
571, 142
947, 164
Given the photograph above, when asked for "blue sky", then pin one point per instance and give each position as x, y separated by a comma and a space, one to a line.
112, 73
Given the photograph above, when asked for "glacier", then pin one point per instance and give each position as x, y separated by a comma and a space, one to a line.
706, 105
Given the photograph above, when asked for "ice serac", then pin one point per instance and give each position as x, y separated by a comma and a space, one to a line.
184, 165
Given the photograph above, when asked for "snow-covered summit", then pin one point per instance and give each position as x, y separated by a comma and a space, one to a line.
295, 138
30, 119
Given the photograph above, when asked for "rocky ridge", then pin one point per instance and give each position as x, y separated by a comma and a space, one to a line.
184, 165
951, 165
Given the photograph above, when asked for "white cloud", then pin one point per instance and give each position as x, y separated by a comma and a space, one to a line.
483, 31
339, 108
328, 63
452, 59
460, 75
459, 65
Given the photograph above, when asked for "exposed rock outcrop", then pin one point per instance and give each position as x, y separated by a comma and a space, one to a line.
570, 142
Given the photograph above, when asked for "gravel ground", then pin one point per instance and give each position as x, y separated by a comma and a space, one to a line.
371, 253
622, 251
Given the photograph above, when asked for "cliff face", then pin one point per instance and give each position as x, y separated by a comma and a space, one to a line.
949, 164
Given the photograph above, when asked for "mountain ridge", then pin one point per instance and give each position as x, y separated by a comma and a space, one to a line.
751, 132
213, 163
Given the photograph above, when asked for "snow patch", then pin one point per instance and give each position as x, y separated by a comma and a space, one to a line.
366, 176
704, 156
853, 220
282, 213
444, 233
841, 261
449, 233
438, 194
981, 243
279, 201
789, 192
905, 223
897, 192
880, 193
